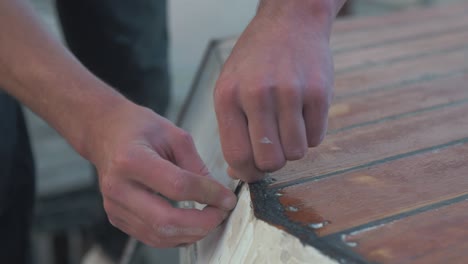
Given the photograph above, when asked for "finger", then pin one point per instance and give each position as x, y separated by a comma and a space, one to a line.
263, 129
175, 224
178, 184
186, 155
234, 136
131, 224
291, 125
316, 120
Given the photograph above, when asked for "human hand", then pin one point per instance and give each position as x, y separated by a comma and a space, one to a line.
273, 94
139, 154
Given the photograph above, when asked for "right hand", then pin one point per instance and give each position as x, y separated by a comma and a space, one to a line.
140, 155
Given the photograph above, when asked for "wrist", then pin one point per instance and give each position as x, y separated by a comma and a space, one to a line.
98, 121
316, 14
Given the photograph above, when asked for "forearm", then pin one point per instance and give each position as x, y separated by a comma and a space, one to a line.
319, 13
39, 71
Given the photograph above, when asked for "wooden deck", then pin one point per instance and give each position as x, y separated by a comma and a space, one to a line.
390, 182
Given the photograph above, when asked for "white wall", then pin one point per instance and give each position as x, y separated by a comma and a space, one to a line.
193, 23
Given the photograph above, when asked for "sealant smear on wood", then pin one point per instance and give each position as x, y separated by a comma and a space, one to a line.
268, 208
290, 183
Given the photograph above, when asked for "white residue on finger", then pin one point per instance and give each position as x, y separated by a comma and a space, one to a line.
266, 140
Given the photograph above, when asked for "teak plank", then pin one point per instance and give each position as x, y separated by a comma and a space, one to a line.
367, 144
437, 236
375, 106
347, 26
407, 50
400, 73
356, 198
411, 30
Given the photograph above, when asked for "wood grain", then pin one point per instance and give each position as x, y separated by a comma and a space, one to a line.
392, 32
438, 236
390, 103
400, 73
397, 147
352, 199
404, 50
361, 146
348, 26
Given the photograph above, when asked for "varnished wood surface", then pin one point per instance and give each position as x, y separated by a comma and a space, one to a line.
348, 112
352, 199
436, 236
390, 182
400, 18
394, 165
363, 146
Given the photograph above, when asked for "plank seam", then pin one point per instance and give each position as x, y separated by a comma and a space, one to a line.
337, 236
400, 116
280, 186
398, 40
267, 208
439, 13
403, 58
427, 77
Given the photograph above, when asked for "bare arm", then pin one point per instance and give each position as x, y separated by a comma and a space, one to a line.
273, 94
44, 75
137, 153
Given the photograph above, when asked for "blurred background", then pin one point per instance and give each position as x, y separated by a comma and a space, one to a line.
67, 199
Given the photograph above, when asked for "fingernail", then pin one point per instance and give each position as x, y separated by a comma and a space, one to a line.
229, 202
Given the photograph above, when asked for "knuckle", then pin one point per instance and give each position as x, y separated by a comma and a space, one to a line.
123, 160
237, 158
179, 185
225, 81
260, 91
225, 89
319, 95
291, 93
185, 138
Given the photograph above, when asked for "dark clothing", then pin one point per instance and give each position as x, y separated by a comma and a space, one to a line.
16, 183
122, 42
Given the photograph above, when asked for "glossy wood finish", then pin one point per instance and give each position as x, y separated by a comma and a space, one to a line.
352, 199
390, 182
363, 146
436, 236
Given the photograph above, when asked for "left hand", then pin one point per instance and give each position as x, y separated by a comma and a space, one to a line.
273, 95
